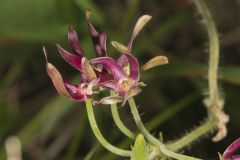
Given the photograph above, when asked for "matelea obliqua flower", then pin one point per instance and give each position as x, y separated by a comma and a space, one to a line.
230, 152
125, 70
90, 76
121, 75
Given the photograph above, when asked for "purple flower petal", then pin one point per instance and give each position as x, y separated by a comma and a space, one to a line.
99, 41
134, 68
72, 59
103, 44
110, 84
122, 61
228, 153
103, 75
92, 30
75, 92
116, 71
74, 42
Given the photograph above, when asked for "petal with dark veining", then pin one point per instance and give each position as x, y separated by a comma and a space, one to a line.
72, 59
116, 71
103, 44
74, 92
74, 42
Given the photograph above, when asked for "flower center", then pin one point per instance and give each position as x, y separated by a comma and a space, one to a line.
82, 88
125, 84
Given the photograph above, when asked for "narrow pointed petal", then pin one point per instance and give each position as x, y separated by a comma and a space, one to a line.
116, 71
109, 100
55, 76
103, 44
96, 40
45, 51
88, 70
142, 21
134, 67
99, 40
231, 150
156, 61
91, 29
132, 92
120, 47
57, 80
74, 92
74, 42
72, 59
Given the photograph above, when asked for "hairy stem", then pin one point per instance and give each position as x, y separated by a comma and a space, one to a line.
193, 135
140, 125
213, 49
99, 136
214, 102
151, 138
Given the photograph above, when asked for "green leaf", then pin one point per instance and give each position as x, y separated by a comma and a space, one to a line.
139, 150
37, 20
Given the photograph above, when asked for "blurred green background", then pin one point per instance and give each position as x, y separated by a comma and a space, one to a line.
52, 127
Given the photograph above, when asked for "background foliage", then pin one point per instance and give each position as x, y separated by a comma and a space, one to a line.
52, 127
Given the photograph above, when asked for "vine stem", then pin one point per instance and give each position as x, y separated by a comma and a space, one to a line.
213, 50
217, 118
99, 136
118, 121
153, 139
193, 135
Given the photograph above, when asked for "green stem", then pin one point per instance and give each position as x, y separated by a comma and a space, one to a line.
194, 135
118, 121
215, 102
213, 50
99, 136
172, 154
140, 125
151, 138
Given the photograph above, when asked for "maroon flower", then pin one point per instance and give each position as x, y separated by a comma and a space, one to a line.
229, 153
125, 71
122, 82
78, 92
121, 76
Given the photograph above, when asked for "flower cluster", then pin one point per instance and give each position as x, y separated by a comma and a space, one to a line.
121, 75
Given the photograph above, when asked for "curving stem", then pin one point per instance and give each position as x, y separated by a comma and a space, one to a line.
99, 136
118, 121
151, 138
